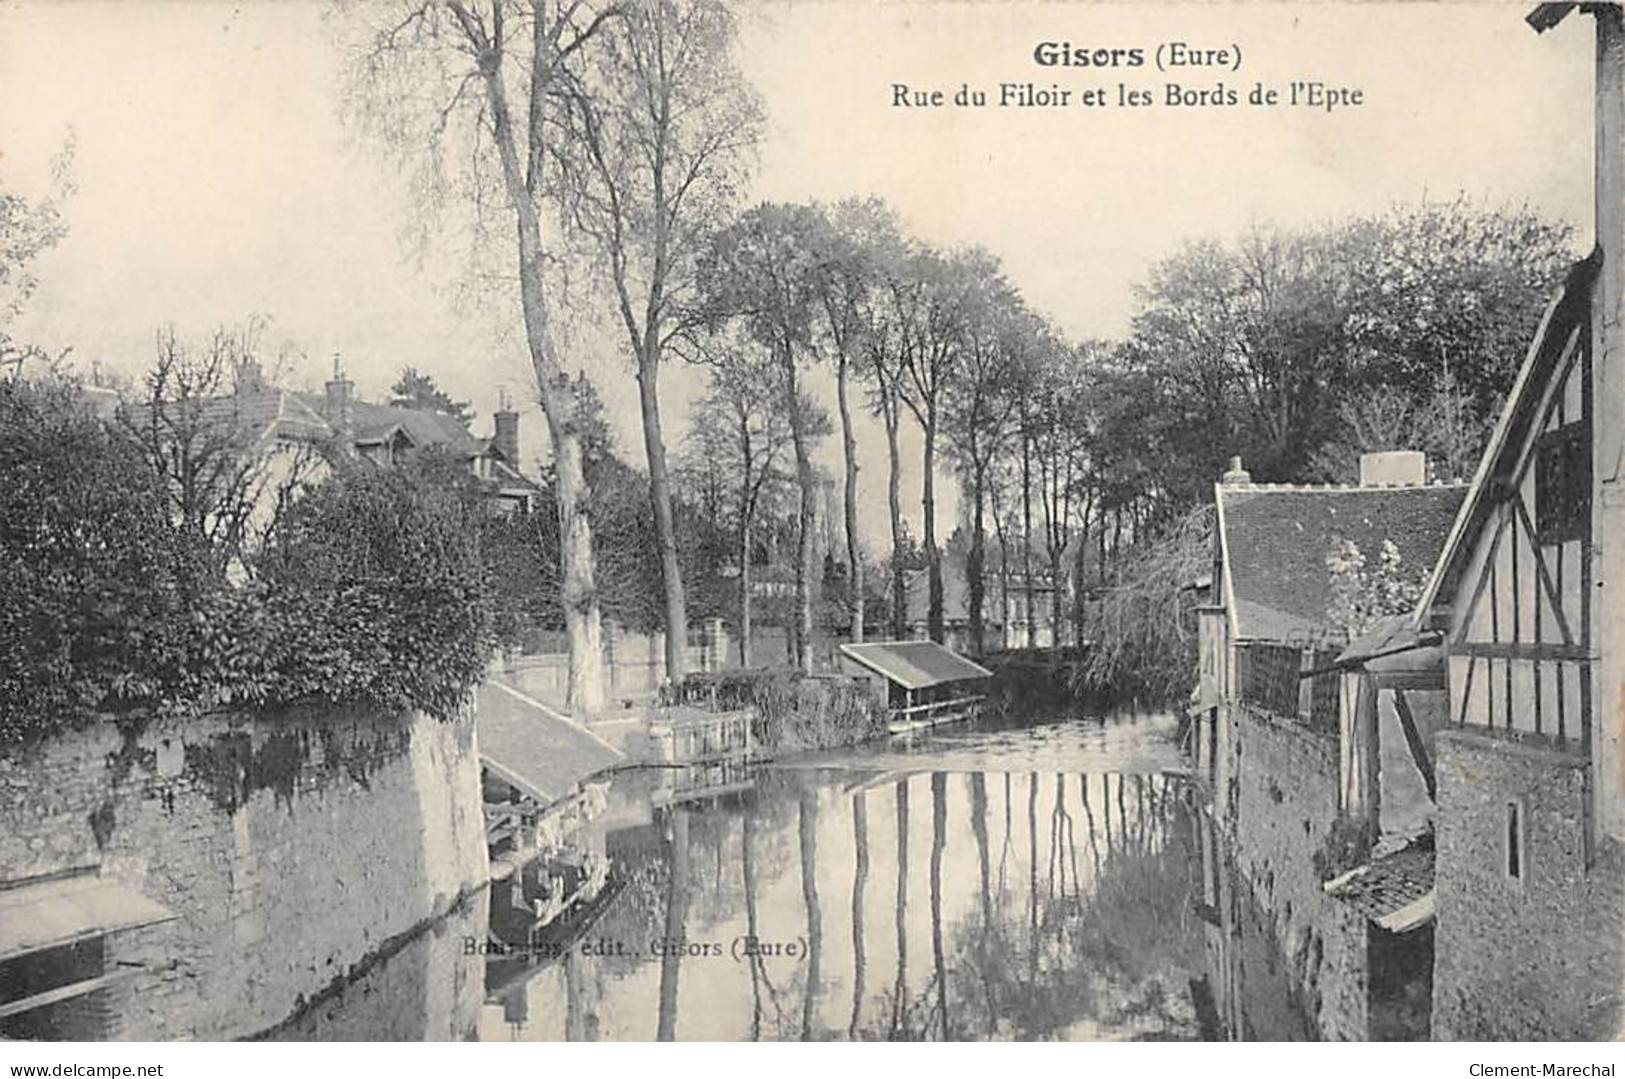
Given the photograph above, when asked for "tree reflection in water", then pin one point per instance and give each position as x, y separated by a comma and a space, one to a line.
1069, 913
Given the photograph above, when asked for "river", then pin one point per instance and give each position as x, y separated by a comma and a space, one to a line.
997, 880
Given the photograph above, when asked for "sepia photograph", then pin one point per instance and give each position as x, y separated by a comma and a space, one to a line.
811, 521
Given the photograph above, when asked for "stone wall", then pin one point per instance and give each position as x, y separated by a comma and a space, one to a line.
290, 847
1538, 957
1283, 797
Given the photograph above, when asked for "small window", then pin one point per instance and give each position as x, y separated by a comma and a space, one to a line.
1563, 484
1516, 853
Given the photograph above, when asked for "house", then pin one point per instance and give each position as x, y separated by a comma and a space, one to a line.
1006, 601
1271, 736
1529, 870
1518, 640
298, 436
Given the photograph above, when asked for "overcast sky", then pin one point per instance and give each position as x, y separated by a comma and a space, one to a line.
216, 181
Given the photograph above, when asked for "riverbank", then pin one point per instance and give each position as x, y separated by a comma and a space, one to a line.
229, 867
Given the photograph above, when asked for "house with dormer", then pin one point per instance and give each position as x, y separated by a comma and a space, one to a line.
299, 437
1270, 730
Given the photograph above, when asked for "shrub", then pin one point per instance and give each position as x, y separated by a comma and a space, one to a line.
95, 585
793, 710
371, 589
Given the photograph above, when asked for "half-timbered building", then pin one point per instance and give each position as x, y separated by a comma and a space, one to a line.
1519, 633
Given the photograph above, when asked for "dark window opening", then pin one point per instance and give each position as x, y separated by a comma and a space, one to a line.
1563, 484
1514, 841
37, 997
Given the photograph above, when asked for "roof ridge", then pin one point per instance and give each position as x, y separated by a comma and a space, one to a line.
1341, 488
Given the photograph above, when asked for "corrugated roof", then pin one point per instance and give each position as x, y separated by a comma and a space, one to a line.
915, 664
52, 913
1277, 539
533, 747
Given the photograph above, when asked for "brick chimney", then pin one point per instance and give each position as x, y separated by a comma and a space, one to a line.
340, 393
505, 434
248, 378
1393, 468
1235, 474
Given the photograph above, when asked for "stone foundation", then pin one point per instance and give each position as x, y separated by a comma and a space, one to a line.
1537, 956
1284, 799
290, 848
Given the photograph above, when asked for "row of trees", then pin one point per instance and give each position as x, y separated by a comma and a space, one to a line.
599, 152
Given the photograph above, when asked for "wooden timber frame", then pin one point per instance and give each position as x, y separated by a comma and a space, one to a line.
1512, 591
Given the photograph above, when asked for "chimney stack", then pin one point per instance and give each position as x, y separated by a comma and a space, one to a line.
340, 392
505, 433
1235, 474
1393, 468
249, 378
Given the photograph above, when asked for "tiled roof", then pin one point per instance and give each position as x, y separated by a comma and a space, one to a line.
424, 428
268, 413
1277, 538
1387, 885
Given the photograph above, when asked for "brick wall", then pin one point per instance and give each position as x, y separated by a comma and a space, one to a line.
1283, 798
1536, 958
291, 848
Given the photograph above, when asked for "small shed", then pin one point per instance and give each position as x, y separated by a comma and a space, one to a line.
924, 682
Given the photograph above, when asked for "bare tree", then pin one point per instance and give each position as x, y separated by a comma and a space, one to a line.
27, 230
853, 270
929, 302
764, 270
738, 428
226, 477
980, 407
475, 86
662, 123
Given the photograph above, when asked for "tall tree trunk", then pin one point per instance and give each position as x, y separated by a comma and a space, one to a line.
1056, 595
671, 574
676, 918
894, 501
809, 508
974, 564
900, 986
578, 590
1027, 536
933, 556
1079, 566
1117, 544
807, 814
744, 591
854, 557
939, 842
860, 879
747, 843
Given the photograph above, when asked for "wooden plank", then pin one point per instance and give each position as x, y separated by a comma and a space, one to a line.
1467, 690
1413, 739
1486, 571
67, 992
1521, 650
1553, 595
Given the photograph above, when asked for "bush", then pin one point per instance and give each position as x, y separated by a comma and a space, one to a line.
370, 591
94, 583
793, 710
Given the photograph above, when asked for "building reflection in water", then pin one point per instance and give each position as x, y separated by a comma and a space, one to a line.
861, 904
